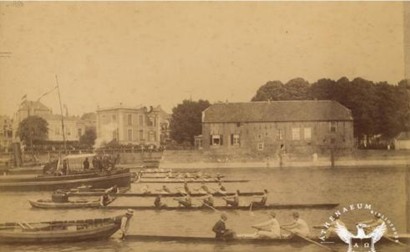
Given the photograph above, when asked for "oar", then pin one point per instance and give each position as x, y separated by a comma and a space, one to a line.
395, 241
250, 210
309, 240
213, 208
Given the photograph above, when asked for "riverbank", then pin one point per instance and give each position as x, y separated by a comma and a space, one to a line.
199, 160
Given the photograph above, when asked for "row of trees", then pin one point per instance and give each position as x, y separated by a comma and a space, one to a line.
377, 108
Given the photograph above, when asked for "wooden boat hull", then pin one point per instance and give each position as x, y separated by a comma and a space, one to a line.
166, 181
102, 230
291, 240
96, 192
48, 204
121, 178
163, 194
227, 208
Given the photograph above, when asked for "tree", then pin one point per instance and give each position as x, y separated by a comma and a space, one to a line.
88, 138
186, 120
297, 89
32, 128
272, 90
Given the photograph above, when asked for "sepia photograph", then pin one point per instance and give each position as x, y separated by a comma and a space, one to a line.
204, 126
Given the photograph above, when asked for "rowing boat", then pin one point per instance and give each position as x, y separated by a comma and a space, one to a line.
49, 204
59, 231
164, 194
178, 176
245, 240
96, 191
226, 208
213, 180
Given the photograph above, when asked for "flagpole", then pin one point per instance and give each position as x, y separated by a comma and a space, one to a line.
62, 116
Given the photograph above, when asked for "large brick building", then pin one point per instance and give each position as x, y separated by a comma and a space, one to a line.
300, 126
132, 125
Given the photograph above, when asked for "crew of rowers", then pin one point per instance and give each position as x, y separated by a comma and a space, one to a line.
196, 176
267, 229
271, 228
208, 200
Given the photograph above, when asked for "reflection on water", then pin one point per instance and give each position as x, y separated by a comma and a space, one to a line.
383, 188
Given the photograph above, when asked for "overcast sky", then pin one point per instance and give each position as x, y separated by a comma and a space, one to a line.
160, 53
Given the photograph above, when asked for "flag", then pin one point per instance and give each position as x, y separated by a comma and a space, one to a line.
23, 99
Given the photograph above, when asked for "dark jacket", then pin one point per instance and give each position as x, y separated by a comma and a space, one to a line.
219, 229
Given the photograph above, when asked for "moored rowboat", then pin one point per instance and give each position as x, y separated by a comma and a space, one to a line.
59, 231
49, 204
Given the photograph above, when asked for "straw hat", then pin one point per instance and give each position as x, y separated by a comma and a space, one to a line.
130, 212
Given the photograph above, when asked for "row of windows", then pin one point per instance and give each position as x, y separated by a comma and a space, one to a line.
151, 136
150, 122
235, 138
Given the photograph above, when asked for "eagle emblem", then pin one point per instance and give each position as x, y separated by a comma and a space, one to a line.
347, 237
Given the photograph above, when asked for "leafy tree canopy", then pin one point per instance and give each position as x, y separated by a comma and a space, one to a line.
186, 120
32, 128
89, 136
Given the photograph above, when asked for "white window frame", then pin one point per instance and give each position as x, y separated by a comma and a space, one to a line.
261, 146
216, 138
307, 133
280, 134
129, 135
235, 139
295, 133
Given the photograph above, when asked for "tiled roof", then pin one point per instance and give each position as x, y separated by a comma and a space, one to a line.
33, 105
277, 111
405, 135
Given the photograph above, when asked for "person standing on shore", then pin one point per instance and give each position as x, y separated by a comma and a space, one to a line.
281, 154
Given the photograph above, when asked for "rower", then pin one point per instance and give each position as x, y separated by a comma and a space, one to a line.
158, 203
165, 189
232, 201
184, 201
105, 199
332, 226
221, 189
220, 230
203, 189
373, 223
184, 190
208, 200
267, 229
145, 189
125, 223
262, 201
298, 226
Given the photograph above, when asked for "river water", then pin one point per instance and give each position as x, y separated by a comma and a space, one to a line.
382, 188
